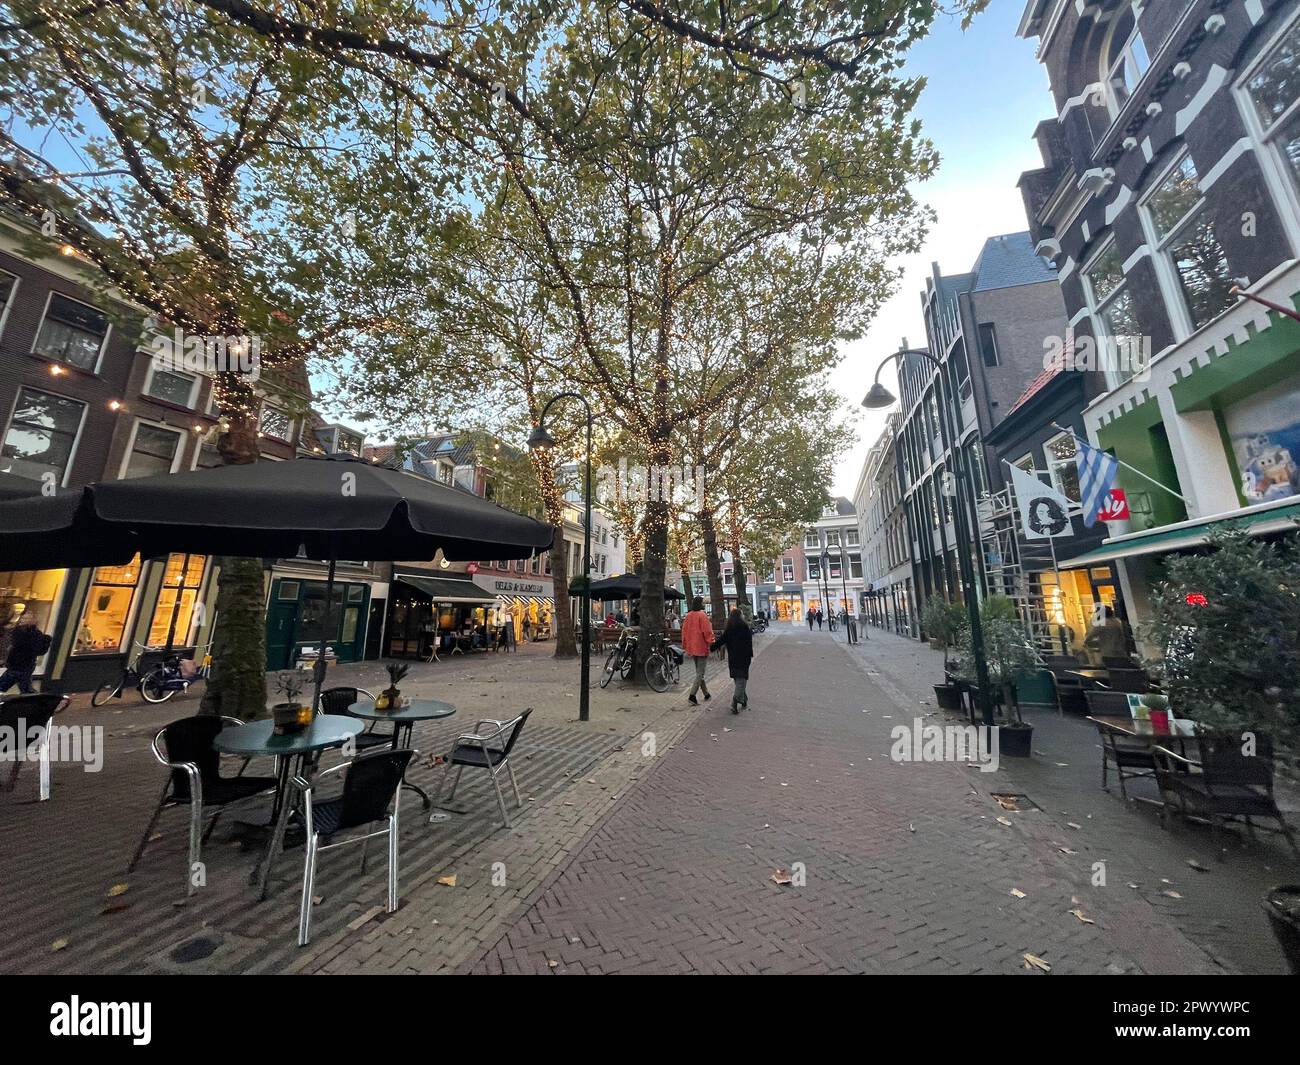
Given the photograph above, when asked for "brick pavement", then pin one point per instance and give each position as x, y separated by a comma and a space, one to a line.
908, 868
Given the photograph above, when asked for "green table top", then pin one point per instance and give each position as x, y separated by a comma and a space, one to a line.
419, 710
258, 737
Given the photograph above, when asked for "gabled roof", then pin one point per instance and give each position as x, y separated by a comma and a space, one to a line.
1009, 261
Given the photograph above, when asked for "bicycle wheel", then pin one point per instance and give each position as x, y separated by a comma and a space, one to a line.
656, 672
628, 664
153, 686
110, 689
674, 670
611, 664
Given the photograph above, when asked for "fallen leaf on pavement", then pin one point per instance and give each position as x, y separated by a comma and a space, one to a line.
1073, 825
1171, 894
1004, 821
782, 877
1018, 893
58, 944
118, 889
447, 881
1197, 865
1033, 961
1079, 914
1066, 850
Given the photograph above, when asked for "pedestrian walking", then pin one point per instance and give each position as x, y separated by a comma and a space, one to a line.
819, 618
812, 616
851, 624
528, 628
697, 641
26, 644
738, 639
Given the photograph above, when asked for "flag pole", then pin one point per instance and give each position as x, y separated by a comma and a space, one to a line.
1131, 469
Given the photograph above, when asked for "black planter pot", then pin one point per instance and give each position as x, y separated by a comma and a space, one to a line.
947, 696
1016, 741
1286, 924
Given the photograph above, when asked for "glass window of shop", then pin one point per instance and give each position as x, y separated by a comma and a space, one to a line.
184, 580
1062, 455
108, 607
42, 434
29, 596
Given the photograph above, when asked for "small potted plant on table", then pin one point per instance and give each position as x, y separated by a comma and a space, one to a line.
291, 715
391, 697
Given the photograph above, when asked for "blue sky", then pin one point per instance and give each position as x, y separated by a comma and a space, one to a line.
985, 93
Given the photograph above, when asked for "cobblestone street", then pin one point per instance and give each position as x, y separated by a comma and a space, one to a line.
908, 867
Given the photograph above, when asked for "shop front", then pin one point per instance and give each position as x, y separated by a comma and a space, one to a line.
425, 610
99, 619
296, 618
787, 606
524, 598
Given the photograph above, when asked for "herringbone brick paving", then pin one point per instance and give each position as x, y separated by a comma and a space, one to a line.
908, 868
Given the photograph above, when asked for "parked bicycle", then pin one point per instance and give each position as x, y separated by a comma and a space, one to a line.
156, 679
622, 659
663, 667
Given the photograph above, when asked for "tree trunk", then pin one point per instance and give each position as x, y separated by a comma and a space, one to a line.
713, 566
655, 561
566, 645
237, 685
738, 570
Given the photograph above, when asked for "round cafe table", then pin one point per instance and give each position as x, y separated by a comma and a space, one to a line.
404, 719
257, 739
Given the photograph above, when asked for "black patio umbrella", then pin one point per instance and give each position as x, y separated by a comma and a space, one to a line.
331, 507
14, 487
624, 586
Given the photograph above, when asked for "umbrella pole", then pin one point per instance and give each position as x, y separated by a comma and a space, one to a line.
319, 668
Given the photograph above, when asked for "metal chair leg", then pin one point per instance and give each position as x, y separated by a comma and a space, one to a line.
501, 800
45, 764
196, 845
207, 832
519, 802
455, 783
365, 846
308, 888
148, 829
392, 861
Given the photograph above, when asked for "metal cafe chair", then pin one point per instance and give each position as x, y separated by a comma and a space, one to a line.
185, 748
337, 701
372, 789
1225, 782
483, 749
1132, 757
23, 713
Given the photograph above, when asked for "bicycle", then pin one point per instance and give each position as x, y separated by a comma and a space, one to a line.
157, 682
663, 667
621, 660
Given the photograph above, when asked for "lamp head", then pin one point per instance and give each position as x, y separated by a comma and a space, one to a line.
540, 439
878, 397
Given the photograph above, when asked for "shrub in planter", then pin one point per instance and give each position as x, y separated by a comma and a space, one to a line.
943, 623
1008, 652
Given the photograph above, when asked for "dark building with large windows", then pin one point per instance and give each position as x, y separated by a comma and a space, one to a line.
1172, 175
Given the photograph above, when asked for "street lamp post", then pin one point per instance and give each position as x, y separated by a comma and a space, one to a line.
826, 591
879, 397
541, 439
844, 588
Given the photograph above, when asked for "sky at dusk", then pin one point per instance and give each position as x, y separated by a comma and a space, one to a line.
985, 93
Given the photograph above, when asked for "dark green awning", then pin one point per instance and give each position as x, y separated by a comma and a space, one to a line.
447, 589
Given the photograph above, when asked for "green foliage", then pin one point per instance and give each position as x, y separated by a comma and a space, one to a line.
396, 672
1008, 651
1233, 663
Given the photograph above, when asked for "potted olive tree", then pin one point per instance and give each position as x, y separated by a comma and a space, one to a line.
1008, 654
943, 623
291, 715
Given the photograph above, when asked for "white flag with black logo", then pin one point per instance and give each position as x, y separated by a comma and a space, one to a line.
1044, 512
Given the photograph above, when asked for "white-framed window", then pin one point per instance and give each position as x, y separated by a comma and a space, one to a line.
172, 386
1124, 61
832, 538
787, 570
728, 573
1190, 254
276, 423
1269, 94
153, 449
1025, 463
814, 569
42, 435
1115, 321
851, 537
8, 286
1062, 456
72, 332
811, 539
855, 565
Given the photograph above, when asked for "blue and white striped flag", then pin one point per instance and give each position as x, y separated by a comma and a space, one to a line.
1097, 472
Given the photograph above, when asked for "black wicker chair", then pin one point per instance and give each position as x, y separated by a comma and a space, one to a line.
1132, 758
337, 701
372, 789
185, 747
20, 714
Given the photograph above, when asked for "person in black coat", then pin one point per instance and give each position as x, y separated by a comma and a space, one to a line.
738, 639
26, 644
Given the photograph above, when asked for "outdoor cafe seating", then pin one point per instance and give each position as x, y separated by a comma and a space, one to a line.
337, 701
25, 712
485, 748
